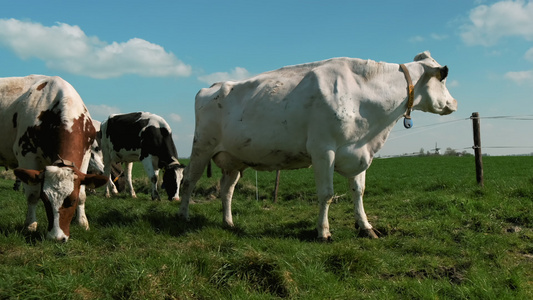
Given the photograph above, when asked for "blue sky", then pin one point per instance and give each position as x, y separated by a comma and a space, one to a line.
124, 56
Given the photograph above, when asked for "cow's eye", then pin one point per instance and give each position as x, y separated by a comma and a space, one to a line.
67, 202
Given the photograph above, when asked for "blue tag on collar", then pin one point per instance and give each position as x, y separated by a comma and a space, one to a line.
407, 123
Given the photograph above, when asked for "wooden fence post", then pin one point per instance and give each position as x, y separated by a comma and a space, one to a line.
477, 148
276, 187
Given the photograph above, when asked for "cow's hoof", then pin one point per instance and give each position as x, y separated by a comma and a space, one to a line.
84, 224
228, 225
328, 239
369, 233
174, 199
32, 227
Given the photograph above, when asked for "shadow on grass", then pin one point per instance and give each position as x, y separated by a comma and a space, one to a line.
302, 230
30, 237
160, 220
174, 225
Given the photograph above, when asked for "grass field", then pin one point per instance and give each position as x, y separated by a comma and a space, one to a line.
443, 237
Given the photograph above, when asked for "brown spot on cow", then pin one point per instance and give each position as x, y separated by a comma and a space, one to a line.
41, 86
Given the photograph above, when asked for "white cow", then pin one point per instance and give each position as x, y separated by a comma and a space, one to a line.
333, 114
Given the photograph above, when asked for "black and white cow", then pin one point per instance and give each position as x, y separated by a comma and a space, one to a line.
145, 137
46, 133
96, 163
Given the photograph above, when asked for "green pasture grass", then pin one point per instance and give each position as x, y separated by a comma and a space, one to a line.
442, 237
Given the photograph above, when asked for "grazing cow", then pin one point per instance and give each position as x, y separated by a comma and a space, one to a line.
333, 114
46, 134
96, 163
145, 137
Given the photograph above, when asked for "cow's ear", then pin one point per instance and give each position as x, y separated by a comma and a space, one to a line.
443, 73
422, 56
28, 176
94, 180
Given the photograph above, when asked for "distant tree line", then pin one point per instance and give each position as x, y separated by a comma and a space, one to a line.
448, 152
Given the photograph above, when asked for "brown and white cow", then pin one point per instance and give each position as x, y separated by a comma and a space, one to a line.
46, 134
333, 114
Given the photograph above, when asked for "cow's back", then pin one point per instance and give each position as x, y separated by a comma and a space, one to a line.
134, 136
269, 118
12, 91
37, 112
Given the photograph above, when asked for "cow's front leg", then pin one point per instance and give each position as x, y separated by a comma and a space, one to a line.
32, 197
110, 186
192, 173
227, 186
150, 164
323, 166
81, 217
129, 183
357, 188
153, 180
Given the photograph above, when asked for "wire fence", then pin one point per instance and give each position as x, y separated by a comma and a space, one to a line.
398, 134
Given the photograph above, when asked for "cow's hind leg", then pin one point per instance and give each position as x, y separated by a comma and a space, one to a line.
357, 188
153, 175
323, 165
110, 186
227, 186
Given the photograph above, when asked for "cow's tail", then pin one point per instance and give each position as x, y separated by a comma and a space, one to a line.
209, 171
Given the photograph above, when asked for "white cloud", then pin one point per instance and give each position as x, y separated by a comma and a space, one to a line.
175, 117
438, 37
529, 55
452, 83
416, 39
67, 48
520, 77
101, 112
236, 74
505, 18
434, 36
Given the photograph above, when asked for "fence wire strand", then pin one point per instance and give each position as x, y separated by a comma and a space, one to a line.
423, 128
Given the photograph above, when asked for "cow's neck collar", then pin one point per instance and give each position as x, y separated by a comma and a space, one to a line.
407, 122
63, 163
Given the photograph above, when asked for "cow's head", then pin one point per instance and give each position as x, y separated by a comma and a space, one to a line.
431, 94
172, 179
60, 188
96, 163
